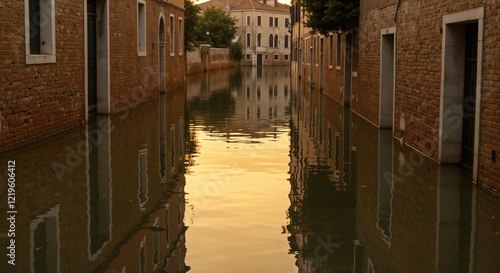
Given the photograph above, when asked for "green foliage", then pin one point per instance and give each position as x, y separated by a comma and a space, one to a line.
217, 27
191, 24
325, 16
236, 51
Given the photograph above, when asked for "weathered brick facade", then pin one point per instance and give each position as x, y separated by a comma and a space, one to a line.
425, 115
418, 69
41, 99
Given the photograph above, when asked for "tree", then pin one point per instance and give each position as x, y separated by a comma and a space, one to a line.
218, 26
325, 16
191, 24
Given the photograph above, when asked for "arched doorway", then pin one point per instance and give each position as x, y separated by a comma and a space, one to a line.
162, 42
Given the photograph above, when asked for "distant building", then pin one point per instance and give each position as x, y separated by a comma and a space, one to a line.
262, 29
62, 61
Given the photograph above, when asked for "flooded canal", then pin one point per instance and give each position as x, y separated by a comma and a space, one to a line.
241, 171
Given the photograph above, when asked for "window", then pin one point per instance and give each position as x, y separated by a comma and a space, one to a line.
339, 44
181, 38
287, 22
259, 39
141, 27
285, 57
259, 20
248, 39
248, 20
276, 57
271, 21
276, 44
276, 21
286, 41
270, 40
248, 57
40, 36
172, 35
330, 61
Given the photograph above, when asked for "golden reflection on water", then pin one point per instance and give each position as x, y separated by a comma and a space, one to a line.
237, 187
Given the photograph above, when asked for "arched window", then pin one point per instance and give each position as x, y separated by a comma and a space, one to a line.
259, 39
276, 44
270, 40
248, 39
286, 41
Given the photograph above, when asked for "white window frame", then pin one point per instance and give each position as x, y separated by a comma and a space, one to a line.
248, 20
141, 28
47, 33
259, 20
181, 38
171, 34
248, 38
276, 57
285, 57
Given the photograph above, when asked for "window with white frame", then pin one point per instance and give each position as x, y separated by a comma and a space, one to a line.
248, 20
259, 39
141, 27
339, 46
276, 57
276, 43
287, 41
330, 60
276, 20
285, 57
248, 39
259, 20
39, 17
181, 38
248, 56
271, 20
172, 35
287, 22
271, 40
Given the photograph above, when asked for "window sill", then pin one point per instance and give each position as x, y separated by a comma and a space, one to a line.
330, 66
141, 53
40, 59
172, 54
338, 67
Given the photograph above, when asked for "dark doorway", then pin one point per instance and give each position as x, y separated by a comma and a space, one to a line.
469, 104
92, 54
348, 69
259, 59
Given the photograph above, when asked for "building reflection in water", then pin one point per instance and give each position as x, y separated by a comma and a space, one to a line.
322, 195
104, 197
359, 202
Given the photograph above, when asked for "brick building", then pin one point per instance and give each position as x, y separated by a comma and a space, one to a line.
61, 60
428, 70
262, 29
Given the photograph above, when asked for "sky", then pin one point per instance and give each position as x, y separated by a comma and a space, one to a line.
281, 1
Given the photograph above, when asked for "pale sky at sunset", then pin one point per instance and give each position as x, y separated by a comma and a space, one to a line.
281, 1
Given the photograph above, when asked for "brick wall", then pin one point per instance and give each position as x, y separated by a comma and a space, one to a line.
39, 100
136, 78
418, 75
43, 99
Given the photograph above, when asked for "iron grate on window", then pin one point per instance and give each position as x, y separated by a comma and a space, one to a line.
91, 7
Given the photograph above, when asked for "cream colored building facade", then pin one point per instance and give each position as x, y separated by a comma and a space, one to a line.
263, 30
